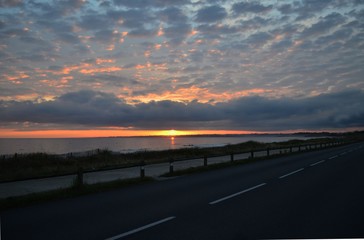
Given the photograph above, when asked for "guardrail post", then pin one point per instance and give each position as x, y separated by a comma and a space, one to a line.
268, 152
171, 166
290, 149
252, 154
299, 148
232, 157
142, 169
205, 161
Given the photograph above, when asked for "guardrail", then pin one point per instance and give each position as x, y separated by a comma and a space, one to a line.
182, 164
142, 169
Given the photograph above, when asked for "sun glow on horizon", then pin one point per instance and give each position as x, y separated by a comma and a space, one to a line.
13, 133
172, 133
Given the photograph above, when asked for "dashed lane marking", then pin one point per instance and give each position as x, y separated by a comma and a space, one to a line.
236, 194
291, 173
141, 228
316, 163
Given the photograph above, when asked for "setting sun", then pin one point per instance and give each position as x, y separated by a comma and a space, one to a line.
172, 133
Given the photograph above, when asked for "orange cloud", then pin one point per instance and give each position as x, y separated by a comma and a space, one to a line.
22, 97
104, 60
152, 67
16, 78
147, 53
110, 47
68, 69
160, 32
191, 93
84, 68
157, 46
100, 70
193, 32
66, 79
63, 71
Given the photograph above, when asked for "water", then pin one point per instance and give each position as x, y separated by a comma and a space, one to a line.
127, 144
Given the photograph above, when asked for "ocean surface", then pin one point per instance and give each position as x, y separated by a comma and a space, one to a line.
127, 144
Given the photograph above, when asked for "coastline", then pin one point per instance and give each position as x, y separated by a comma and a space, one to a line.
39, 165
79, 146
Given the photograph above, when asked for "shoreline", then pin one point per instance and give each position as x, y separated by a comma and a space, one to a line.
86, 146
36, 165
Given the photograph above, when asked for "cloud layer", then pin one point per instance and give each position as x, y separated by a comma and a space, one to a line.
252, 65
98, 109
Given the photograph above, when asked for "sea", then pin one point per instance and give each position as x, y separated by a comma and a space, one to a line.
10, 146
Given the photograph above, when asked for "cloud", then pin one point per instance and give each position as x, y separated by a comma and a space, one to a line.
92, 108
134, 19
324, 25
10, 3
177, 33
149, 3
172, 15
216, 31
323, 111
211, 14
257, 40
95, 21
250, 7
216, 51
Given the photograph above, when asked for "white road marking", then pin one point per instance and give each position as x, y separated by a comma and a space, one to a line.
343, 153
333, 157
314, 164
141, 228
236, 194
291, 173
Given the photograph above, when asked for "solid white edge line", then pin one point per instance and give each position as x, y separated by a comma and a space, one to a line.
314, 164
333, 157
236, 194
141, 228
288, 174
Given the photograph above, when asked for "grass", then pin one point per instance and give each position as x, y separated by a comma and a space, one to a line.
221, 165
73, 191
39, 165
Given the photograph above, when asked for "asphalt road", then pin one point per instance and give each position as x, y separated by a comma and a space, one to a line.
309, 195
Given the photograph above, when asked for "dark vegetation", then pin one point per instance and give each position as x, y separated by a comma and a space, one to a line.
38, 165
73, 191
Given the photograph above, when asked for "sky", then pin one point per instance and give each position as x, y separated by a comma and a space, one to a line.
145, 67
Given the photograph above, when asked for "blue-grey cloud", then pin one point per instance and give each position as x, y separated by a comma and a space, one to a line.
149, 3
211, 14
250, 7
10, 3
254, 113
324, 25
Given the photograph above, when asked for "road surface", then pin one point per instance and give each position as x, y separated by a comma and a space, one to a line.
309, 195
